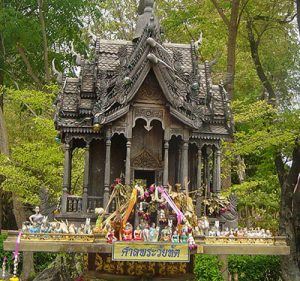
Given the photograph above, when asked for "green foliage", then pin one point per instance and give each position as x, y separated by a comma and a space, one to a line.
207, 268
255, 268
21, 28
3, 253
42, 260
36, 160
261, 131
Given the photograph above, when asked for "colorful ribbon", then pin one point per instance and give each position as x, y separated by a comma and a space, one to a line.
16, 252
166, 195
131, 204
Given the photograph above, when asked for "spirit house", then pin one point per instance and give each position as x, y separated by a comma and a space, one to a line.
142, 109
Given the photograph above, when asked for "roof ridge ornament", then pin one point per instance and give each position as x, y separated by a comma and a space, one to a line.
146, 17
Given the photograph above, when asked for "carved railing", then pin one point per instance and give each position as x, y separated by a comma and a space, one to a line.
93, 203
74, 204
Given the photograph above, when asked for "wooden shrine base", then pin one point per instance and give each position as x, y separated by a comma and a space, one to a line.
94, 247
102, 268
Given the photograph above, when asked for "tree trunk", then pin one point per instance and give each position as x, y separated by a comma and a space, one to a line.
19, 212
290, 195
231, 46
45, 41
3, 135
258, 66
2, 59
232, 27
289, 214
298, 14
17, 205
28, 65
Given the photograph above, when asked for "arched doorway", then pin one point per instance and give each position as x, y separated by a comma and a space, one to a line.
147, 151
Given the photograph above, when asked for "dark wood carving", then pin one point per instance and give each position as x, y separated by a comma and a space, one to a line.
145, 161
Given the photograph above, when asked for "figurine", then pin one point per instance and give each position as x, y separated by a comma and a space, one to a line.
57, 228
156, 234
45, 227
240, 233
191, 242
217, 227
183, 237
166, 234
196, 231
127, 232
161, 215
142, 224
87, 227
175, 237
34, 228
110, 236
64, 227
170, 224
25, 226
146, 233
137, 234
99, 222
203, 225
37, 217
152, 233
72, 229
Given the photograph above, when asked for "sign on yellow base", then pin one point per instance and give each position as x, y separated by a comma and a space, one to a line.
152, 252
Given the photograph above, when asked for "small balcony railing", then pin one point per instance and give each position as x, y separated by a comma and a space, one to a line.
76, 204
93, 203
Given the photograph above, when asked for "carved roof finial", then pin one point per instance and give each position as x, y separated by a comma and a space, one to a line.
145, 11
145, 4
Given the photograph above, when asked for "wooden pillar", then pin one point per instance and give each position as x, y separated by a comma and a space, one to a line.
127, 163
86, 178
218, 169
224, 266
199, 181
185, 165
214, 171
206, 171
166, 164
178, 172
107, 172
67, 176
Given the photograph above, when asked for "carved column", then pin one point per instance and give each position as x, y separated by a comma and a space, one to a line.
218, 169
107, 172
185, 164
199, 181
127, 163
166, 164
206, 172
86, 177
67, 176
179, 164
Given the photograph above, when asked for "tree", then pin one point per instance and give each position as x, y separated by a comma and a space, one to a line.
31, 32
288, 175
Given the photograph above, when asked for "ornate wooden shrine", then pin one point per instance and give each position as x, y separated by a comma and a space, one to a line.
144, 109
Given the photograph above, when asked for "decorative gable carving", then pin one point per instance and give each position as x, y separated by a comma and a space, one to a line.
145, 160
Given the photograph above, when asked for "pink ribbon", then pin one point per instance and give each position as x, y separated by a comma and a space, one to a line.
166, 195
16, 252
